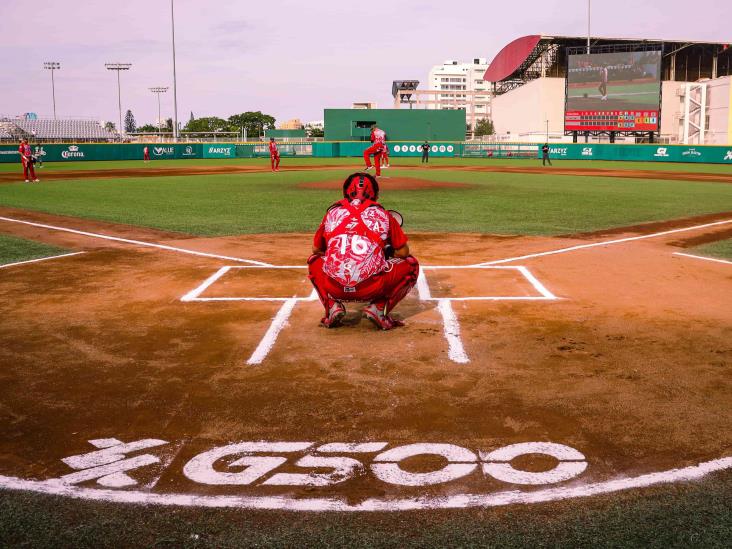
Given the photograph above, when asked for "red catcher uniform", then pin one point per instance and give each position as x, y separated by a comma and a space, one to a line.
26, 157
146, 154
354, 234
378, 139
274, 156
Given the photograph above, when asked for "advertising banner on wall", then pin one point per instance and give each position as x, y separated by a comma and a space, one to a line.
415, 149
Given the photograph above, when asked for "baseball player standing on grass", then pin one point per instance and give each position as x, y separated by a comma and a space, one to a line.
26, 157
385, 155
378, 137
274, 155
360, 253
425, 147
146, 154
545, 155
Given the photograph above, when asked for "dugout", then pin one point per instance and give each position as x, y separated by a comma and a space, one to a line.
399, 125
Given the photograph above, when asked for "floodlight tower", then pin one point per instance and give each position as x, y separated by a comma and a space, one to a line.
175, 81
119, 67
52, 66
157, 91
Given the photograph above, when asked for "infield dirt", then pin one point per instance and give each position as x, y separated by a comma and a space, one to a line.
631, 366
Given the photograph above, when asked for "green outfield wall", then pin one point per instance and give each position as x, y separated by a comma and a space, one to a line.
399, 124
400, 148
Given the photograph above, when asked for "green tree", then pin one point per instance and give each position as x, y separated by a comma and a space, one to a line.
192, 118
169, 125
484, 127
207, 124
130, 125
148, 128
253, 122
312, 131
110, 126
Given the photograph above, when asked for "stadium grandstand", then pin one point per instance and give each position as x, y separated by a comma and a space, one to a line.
532, 79
50, 130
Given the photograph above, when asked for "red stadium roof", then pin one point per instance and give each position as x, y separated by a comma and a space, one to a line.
510, 58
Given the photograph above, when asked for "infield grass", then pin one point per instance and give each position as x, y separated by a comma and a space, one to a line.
357, 163
694, 514
721, 249
265, 202
14, 249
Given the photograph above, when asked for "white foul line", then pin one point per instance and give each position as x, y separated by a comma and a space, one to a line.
715, 260
284, 503
270, 336
451, 329
135, 242
40, 259
603, 243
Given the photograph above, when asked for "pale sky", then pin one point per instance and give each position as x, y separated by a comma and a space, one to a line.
287, 58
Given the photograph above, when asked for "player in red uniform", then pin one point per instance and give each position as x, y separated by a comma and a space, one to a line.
378, 137
274, 155
26, 157
385, 155
146, 154
360, 253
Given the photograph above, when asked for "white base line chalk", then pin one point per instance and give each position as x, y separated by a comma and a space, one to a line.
270, 336
39, 260
135, 242
451, 329
603, 243
284, 503
713, 259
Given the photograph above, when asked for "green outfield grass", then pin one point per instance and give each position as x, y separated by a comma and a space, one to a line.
14, 249
693, 514
266, 202
721, 249
357, 163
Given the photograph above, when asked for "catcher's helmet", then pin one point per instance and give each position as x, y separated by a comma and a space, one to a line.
361, 186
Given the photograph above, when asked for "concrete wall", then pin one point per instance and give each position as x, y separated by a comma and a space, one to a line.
525, 110
719, 109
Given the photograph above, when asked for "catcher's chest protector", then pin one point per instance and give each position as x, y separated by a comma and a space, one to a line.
355, 240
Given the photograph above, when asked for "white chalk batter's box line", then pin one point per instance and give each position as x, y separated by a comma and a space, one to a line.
423, 288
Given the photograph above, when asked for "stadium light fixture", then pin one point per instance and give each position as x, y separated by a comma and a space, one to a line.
157, 91
176, 130
119, 67
52, 66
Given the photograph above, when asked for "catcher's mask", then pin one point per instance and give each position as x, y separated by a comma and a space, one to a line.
361, 186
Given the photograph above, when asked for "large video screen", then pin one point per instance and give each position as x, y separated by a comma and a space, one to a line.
618, 91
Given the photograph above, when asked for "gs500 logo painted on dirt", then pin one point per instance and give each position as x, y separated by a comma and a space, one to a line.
266, 464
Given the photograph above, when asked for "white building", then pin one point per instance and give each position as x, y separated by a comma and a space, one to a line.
453, 78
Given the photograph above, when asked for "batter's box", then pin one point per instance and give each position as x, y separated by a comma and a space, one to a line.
254, 283
490, 283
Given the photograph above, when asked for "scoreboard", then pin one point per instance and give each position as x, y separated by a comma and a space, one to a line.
615, 91
642, 121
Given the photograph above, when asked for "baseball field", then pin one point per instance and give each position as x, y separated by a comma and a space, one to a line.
563, 377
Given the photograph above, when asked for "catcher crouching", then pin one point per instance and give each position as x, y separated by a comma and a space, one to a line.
360, 253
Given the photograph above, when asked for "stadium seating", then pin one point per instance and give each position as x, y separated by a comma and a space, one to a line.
55, 130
